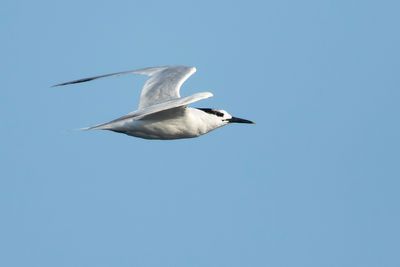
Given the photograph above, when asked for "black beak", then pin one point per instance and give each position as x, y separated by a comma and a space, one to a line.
239, 120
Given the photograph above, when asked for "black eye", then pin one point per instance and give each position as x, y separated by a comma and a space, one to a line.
212, 111
219, 114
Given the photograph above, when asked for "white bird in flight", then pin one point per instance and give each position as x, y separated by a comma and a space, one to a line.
162, 112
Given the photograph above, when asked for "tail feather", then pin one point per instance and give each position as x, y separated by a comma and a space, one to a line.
102, 126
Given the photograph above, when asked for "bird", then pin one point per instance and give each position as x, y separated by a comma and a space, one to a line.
162, 113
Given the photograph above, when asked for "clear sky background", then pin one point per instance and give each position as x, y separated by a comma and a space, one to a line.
314, 183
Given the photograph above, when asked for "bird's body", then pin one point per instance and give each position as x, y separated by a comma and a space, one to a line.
174, 123
162, 113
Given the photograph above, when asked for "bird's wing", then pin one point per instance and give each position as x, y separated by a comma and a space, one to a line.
162, 85
170, 104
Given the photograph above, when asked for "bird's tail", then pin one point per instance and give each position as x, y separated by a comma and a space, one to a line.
102, 126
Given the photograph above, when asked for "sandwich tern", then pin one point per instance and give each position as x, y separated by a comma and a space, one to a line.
162, 112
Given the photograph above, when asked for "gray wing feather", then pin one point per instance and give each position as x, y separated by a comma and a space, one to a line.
164, 83
170, 104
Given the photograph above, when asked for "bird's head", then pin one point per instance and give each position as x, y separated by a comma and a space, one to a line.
223, 117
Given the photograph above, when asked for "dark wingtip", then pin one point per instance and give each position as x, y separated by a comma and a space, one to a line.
76, 81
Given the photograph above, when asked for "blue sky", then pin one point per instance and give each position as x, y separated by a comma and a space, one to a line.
314, 183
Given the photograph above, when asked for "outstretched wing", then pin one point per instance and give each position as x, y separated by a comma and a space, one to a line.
141, 113
163, 84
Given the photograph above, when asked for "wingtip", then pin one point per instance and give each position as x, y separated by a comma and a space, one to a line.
82, 80
61, 84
